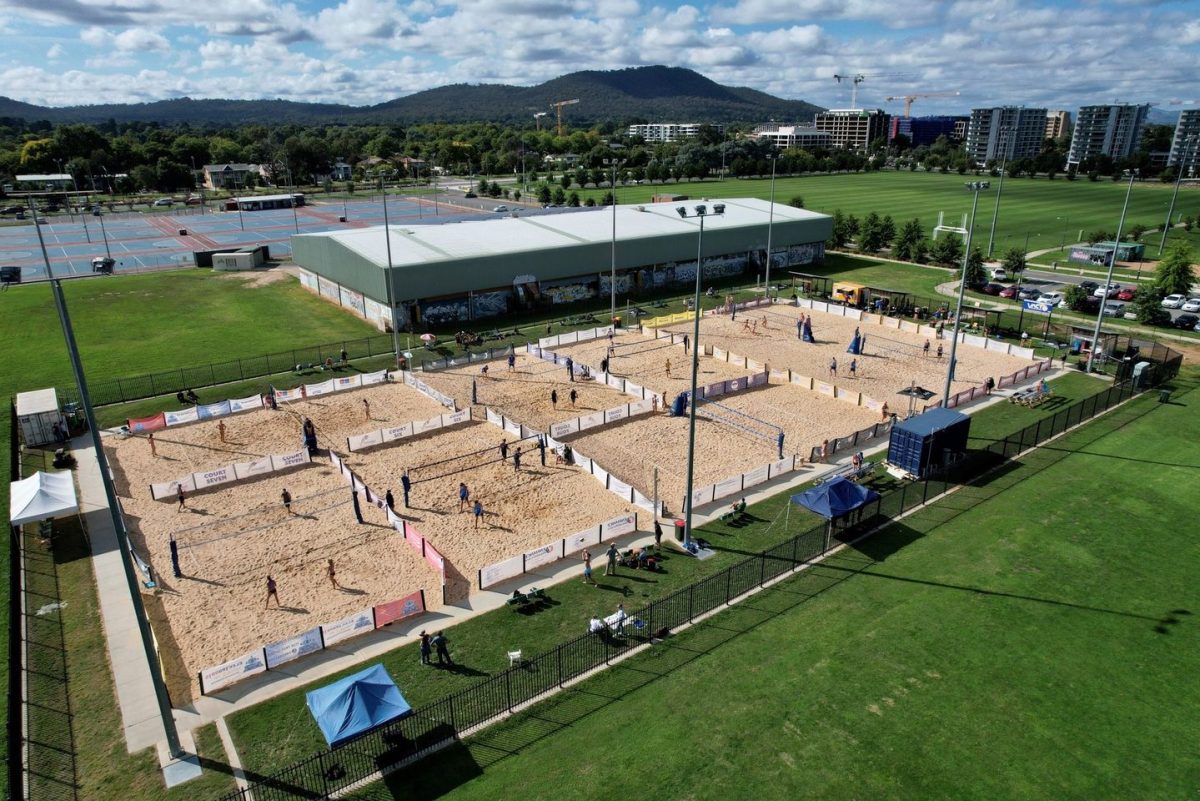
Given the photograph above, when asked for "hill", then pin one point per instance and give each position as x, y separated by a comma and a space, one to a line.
651, 93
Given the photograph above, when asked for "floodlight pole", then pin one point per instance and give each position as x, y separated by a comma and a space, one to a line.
996, 211
1162, 243
123, 546
701, 212
976, 187
612, 316
104, 232
387, 279
1112, 263
770, 224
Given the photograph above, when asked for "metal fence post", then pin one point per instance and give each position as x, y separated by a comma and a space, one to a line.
762, 569
558, 661
728, 578
508, 688
691, 592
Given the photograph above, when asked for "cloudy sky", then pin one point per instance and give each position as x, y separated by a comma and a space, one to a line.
360, 52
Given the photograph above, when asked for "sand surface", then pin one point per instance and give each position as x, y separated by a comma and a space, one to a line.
523, 394
893, 358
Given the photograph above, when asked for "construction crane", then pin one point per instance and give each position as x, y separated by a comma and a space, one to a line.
537, 119
858, 78
559, 107
908, 99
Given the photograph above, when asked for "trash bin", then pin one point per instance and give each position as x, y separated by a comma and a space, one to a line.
183, 232
679, 528
1164, 395
341, 218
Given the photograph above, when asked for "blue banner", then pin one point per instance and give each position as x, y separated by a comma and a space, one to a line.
1037, 307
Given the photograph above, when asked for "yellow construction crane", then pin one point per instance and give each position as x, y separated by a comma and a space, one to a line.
858, 78
908, 99
558, 107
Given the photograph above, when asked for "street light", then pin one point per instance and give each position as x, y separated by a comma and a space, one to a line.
770, 224
612, 317
387, 234
1112, 263
996, 212
1066, 224
1183, 160
122, 535
701, 212
975, 187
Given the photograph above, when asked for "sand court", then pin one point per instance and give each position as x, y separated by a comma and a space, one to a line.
893, 358
643, 361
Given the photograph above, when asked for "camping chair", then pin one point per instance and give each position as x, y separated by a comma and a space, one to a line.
515, 658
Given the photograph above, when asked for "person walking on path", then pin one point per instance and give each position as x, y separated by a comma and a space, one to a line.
686, 343
182, 498
989, 385
541, 446
154, 450
504, 450
925, 349
272, 592
390, 500
833, 367
574, 397
554, 398
517, 460
478, 509
657, 534
286, 497
367, 410
853, 368
512, 361
939, 350
668, 368
443, 649
571, 368
587, 569
221, 429
464, 495
406, 485
332, 573
426, 648
610, 568
800, 328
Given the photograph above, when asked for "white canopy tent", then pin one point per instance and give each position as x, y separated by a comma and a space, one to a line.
41, 496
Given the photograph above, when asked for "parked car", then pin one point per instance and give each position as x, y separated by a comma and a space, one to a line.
1186, 321
1009, 291
501, 209
1127, 293
163, 201
1107, 291
1028, 293
470, 195
1088, 286
194, 200
1114, 309
51, 207
1053, 298
991, 288
1192, 305
12, 210
1174, 301
999, 274
1129, 314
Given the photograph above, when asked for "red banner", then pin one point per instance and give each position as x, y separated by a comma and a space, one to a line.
144, 425
392, 611
435, 559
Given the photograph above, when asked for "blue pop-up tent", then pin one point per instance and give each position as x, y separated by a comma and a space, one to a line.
357, 704
835, 498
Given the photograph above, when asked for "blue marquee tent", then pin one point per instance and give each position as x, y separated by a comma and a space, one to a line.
835, 498
356, 704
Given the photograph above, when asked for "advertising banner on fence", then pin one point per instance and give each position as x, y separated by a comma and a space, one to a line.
584, 539
425, 426
635, 390
211, 478
211, 410
367, 379
323, 388
541, 556
168, 489
728, 487
434, 558
279, 653
456, 418
254, 468
347, 382
282, 461
289, 394
591, 420
246, 404
347, 627
399, 432
756, 476
144, 425
564, 428
758, 379
620, 488
702, 495
779, 468
615, 414
823, 388
182, 416
625, 524
390, 612
494, 574
214, 678
494, 418
357, 443
414, 538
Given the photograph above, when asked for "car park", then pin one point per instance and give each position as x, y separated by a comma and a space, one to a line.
1107, 291
1053, 298
1174, 301
1009, 291
1127, 294
1192, 305
1029, 293
1114, 309
991, 288
1186, 322
1088, 286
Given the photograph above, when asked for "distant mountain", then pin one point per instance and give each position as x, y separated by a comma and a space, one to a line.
657, 94
1162, 116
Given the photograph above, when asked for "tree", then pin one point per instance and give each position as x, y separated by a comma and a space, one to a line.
483, 186
565, 180
797, 202
1099, 235
1076, 298
840, 233
573, 200
1175, 274
560, 196
870, 234
975, 273
1136, 232
910, 242
1014, 261
887, 230
543, 193
1147, 305
516, 195
947, 250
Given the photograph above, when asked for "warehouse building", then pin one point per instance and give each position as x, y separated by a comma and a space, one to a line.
442, 274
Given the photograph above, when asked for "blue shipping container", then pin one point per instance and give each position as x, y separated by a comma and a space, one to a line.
928, 441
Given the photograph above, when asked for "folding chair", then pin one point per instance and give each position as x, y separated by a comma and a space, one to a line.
514, 658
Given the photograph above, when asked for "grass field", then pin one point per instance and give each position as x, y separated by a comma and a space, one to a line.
1050, 212
1033, 636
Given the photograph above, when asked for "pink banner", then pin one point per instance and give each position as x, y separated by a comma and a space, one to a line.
144, 425
408, 606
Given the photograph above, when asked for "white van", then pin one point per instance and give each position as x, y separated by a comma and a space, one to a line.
999, 274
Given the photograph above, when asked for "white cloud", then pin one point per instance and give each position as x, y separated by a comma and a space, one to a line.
132, 40
55, 52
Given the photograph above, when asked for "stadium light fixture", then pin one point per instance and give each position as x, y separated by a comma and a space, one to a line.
773, 158
1188, 142
1005, 133
612, 314
1112, 263
975, 187
701, 212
